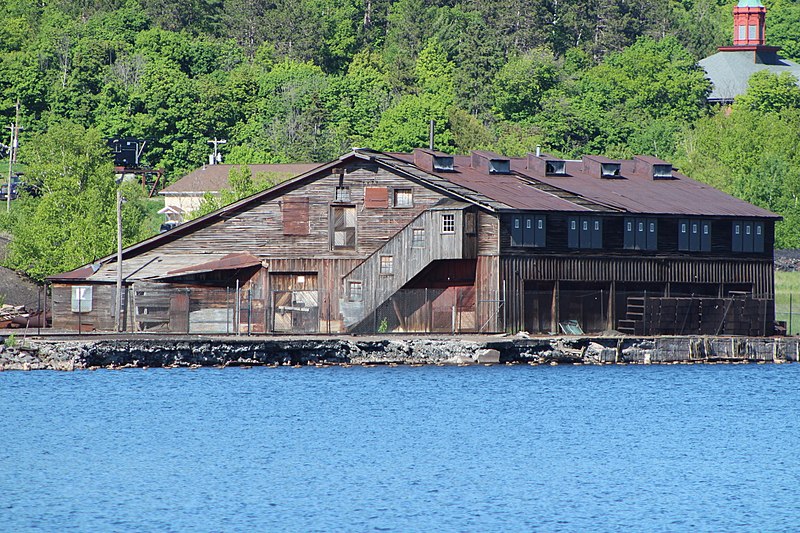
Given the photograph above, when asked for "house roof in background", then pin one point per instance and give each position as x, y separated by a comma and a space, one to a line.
214, 178
729, 69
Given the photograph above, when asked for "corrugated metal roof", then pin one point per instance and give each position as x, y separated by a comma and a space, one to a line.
507, 191
629, 192
233, 261
214, 178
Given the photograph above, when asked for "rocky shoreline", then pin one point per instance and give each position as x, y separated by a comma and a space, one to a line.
39, 354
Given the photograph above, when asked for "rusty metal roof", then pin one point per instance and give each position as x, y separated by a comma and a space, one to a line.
214, 178
505, 191
235, 261
630, 192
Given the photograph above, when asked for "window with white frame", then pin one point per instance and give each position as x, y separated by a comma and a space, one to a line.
448, 223
81, 298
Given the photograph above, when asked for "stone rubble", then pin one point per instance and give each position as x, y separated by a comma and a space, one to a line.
39, 354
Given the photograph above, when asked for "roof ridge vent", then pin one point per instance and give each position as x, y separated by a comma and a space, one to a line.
433, 161
652, 167
547, 165
491, 162
602, 167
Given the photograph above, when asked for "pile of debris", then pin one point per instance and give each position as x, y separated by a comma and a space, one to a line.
17, 316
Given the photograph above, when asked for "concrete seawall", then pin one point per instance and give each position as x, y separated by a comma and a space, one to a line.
39, 354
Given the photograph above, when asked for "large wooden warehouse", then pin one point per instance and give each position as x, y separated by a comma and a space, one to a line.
428, 242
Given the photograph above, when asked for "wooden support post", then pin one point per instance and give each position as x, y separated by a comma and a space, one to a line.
554, 308
612, 314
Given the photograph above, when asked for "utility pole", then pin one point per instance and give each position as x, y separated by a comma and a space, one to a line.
12, 154
216, 158
118, 303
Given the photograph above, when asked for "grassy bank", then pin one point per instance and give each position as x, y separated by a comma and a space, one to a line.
787, 299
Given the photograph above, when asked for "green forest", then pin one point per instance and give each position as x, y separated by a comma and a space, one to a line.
305, 80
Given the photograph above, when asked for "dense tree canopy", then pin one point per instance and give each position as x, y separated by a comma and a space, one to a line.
303, 80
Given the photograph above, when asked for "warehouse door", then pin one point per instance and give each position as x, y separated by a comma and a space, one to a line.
295, 302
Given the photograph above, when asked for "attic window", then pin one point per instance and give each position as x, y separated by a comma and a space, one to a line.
443, 163
499, 166
342, 194
661, 172
609, 170
558, 168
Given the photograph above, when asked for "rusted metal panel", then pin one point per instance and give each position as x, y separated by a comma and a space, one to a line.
376, 197
295, 215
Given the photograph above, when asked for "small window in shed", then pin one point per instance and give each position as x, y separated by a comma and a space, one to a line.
403, 198
81, 298
448, 223
499, 166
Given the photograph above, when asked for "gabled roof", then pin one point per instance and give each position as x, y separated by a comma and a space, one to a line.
214, 178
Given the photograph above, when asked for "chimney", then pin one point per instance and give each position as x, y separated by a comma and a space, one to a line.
748, 23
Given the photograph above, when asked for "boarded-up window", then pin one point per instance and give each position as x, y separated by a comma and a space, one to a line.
376, 197
343, 228
295, 216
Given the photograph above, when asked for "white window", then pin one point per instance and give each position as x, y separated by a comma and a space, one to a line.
387, 265
753, 32
742, 33
81, 298
448, 223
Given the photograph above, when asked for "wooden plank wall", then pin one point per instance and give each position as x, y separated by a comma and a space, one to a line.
100, 318
613, 238
516, 269
260, 230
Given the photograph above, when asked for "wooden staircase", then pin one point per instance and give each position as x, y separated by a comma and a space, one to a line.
409, 258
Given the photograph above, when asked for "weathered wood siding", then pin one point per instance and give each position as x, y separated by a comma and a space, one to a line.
100, 318
407, 261
515, 270
260, 229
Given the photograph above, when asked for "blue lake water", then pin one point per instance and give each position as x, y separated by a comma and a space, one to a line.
644, 448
